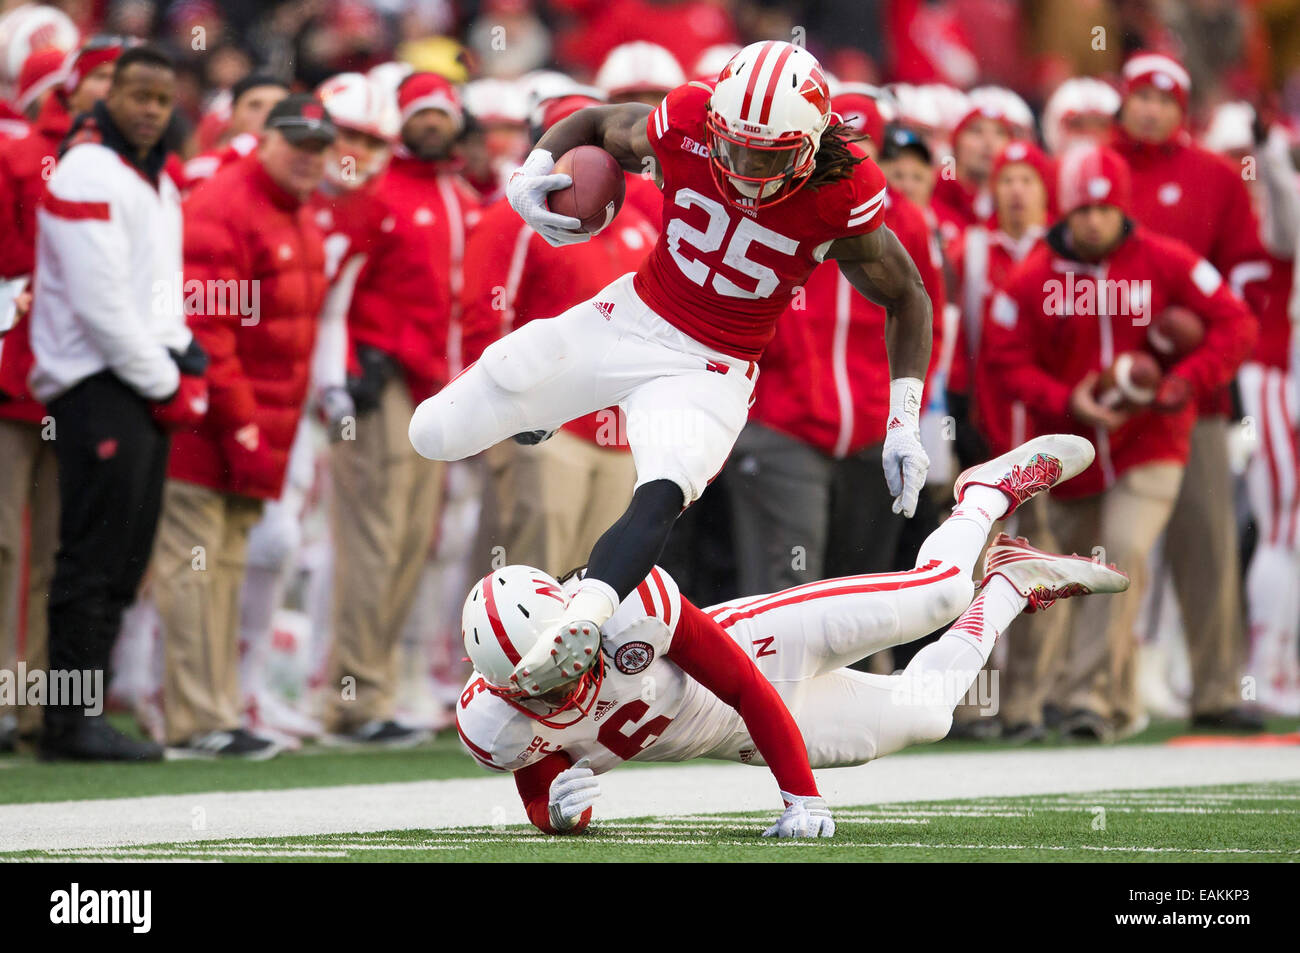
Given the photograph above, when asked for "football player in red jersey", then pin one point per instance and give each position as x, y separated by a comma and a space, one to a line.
759, 187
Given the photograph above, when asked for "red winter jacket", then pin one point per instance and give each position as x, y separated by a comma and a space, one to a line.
242, 227
1040, 355
1266, 287
411, 223
1198, 198
825, 376
25, 166
982, 260
514, 276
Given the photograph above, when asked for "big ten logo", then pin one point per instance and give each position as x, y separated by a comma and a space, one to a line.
198, 818
798, 558
1248, 693
1098, 34
1098, 818
649, 689
497, 38
540, 745
498, 557
199, 559
348, 688
649, 168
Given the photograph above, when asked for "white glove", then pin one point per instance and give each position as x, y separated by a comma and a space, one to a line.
572, 792
526, 192
803, 817
905, 460
562, 654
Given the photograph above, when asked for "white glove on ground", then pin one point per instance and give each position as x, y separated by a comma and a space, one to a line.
526, 192
572, 792
905, 460
803, 817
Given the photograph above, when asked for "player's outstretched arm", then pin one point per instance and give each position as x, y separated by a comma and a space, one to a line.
879, 267
619, 130
557, 794
704, 651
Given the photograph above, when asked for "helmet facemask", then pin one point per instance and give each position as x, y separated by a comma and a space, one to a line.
757, 171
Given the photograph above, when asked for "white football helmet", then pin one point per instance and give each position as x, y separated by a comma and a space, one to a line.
1002, 103
639, 67
505, 614
1076, 99
765, 122
29, 29
355, 102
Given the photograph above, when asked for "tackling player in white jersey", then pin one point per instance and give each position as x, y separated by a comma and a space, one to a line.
763, 680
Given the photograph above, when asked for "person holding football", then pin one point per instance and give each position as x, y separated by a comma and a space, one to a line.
760, 185
764, 679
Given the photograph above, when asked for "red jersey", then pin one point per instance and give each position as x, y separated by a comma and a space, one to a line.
1266, 287
724, 276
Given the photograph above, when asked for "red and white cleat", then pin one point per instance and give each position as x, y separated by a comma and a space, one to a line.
1030, 468
1042, 578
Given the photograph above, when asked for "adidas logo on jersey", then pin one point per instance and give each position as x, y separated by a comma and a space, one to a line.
602, 709
605, 307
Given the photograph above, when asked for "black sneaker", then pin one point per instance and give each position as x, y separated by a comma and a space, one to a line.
1242, 719
86, 738
1084, 725
225, 744
379, 734
1026, 732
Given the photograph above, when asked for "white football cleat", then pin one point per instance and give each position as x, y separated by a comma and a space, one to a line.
1042, 578
1030, 468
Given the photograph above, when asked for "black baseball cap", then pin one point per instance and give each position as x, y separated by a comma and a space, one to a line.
900, 139
255, 81
301, 117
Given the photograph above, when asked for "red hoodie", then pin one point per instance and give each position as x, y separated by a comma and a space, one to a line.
1040, 355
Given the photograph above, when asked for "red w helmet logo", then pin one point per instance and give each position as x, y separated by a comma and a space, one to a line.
815, 90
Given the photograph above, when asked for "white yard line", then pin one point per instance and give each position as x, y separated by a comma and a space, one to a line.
666, 790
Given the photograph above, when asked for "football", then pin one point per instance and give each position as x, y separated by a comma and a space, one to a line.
1129, 382
597, 191
1175, 332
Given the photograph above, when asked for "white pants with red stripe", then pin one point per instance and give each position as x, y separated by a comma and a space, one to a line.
685, 403
1269, 401
801, 639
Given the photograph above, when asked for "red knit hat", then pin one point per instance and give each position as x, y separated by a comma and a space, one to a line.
93, 54
862, 114
428, 91
1093, 175
41, 71
1159, 70
1023, 151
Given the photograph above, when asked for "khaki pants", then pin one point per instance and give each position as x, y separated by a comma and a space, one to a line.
1203, 558
386, 501
198, 568
546, 506
1101, 643
28, 485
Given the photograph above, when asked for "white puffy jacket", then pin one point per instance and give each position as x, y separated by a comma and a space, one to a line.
108, 262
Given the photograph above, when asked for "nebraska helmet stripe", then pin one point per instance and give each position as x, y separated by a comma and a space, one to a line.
494, 617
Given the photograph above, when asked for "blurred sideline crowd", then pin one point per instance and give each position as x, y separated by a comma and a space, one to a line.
242, 241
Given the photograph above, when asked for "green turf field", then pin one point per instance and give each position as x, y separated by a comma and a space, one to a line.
1258, 822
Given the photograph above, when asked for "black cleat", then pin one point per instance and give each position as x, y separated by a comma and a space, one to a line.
225, 744
378, 734
93, 739
1242, 719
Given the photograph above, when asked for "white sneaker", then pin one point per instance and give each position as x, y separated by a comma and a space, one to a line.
1042, 578
1030, 468
269, 711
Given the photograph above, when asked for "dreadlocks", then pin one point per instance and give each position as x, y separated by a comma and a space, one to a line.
834, 159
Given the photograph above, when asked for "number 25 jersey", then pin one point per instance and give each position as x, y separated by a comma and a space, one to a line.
724, 275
